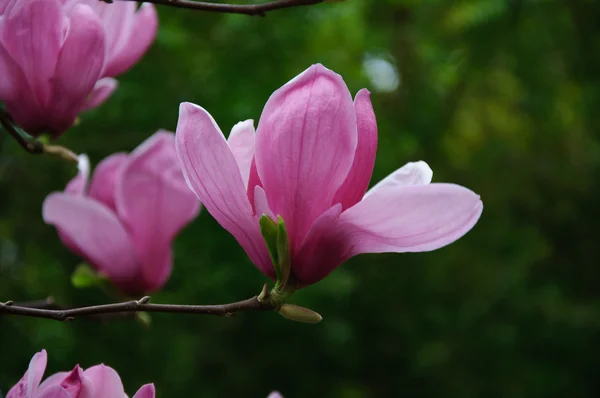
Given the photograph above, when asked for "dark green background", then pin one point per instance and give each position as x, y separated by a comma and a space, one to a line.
499, 96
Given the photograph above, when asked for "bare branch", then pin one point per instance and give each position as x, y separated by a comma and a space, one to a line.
249, 9
34, 146
142, 305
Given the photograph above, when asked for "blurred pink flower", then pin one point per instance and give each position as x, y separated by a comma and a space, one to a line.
123, 224
96, 382
310, 161
58, 57
275, 394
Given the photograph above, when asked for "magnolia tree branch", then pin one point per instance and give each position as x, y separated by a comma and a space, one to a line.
32, 145
36, 310
249, 9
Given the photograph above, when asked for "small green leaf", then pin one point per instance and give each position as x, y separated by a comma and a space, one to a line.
299, 314
84, 276
283, 252
268, 229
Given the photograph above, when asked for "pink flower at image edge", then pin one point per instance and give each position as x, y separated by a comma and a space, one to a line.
310, 161
58, 57
96, 382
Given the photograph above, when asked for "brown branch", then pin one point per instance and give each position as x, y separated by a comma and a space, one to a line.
48, 303
34, 146
249, 9
142, 305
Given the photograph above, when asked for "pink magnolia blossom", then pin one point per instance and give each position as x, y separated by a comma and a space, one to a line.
310, 161
58, 57
275, 394
123, 223
96, 382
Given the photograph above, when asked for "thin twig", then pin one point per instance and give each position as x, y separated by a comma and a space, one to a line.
34, 146
249, 9
142, 305
31, 146
48, 304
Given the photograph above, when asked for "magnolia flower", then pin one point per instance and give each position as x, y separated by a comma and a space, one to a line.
123, 223
275, 394
96, 382
58, 57
310, 162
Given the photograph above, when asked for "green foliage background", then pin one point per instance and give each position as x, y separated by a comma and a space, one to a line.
499, 96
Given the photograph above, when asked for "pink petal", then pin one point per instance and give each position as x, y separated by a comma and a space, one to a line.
52, 381
28, 385
55, 391
117, 19
79, 66
17, 96
413, 218
96, 232
261, 204
253, 181
213, 175
146, 391
323, 250
413, 173
13, 84
4, 5
305, 146
32, 32
357, 182
142, 34
72, 382
102, 90
105, 381
104, 182
275, 394
241, 143
78, 185
154, 203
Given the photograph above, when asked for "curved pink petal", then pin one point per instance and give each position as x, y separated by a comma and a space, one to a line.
305, 146
323, 250
213, 175
105, 381
73, 382
117, 19
253, 181
33, 32
16, 94
413, 173
261, 204
4, 5
78, 185
79, 66
102, 90
410, 218
52, 381
241, 143
161, 147
143, 32
357, 182
56, 391
146, 391
154, 203
96, 232
13, 84
104, 181
275, 394
28, 385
